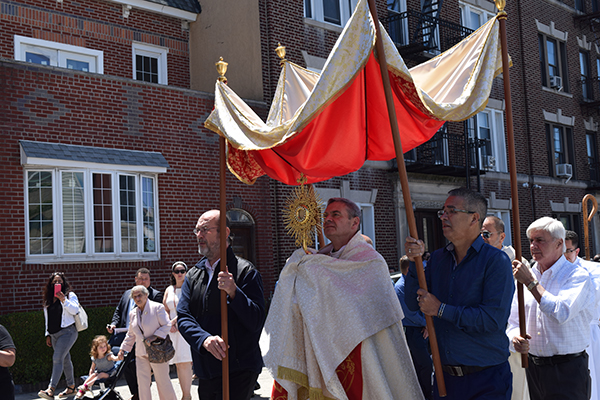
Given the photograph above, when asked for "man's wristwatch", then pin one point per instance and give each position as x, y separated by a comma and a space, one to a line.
532, 284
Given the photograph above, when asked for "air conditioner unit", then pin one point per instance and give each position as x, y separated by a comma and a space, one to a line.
489, 162
564, 170
556, 82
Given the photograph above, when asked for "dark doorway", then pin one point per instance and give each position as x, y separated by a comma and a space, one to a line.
430, 229
242, 232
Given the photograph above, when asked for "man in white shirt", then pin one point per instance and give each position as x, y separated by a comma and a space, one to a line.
558, 310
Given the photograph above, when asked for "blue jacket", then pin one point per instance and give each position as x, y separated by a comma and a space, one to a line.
199, 316
478, 294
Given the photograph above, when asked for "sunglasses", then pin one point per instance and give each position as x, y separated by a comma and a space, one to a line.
487, 234
179, 271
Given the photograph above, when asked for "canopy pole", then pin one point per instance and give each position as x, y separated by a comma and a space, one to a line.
514, 190
412, 226
222, 68
587, 218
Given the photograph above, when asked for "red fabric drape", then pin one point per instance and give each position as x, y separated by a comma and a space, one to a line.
353, 128
349, 373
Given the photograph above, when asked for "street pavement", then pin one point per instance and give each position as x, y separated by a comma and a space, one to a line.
264, 379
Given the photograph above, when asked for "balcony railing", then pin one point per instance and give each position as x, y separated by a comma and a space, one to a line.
588, 92
444, 154
415, 32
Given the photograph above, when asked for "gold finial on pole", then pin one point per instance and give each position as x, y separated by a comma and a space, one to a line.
500, 4
280, 50
221, 69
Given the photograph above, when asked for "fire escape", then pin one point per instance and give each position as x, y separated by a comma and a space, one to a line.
588, 88
454, 150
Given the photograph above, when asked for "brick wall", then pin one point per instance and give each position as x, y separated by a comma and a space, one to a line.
56, 105
97, 25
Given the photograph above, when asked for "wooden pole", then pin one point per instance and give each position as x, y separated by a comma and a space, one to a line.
221, 69
586, 219
223, 267
412, 226
514, 190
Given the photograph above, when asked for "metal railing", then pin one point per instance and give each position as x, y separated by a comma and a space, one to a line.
447, 150
414, 31
588, 90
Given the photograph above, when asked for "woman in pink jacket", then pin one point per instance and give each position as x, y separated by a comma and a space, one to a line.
148, 321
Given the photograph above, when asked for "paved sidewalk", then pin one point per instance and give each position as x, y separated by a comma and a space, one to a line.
264, 379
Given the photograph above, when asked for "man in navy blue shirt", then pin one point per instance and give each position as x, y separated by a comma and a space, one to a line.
416, 335
470, 289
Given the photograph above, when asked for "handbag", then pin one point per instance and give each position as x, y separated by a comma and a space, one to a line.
160, 350
81, 320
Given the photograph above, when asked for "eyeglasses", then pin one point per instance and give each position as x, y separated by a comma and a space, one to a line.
204, 230
179, 271
451, 211
487, 234
569, 251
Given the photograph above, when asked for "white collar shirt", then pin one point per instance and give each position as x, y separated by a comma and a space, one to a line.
211, 269
559, 324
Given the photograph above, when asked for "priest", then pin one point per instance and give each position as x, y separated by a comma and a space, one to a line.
334, 327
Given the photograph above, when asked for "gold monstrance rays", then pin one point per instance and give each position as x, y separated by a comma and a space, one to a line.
302, 215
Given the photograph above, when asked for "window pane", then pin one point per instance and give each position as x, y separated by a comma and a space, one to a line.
41, 233
73, 212
552, 57
148, 214
128, 215
78, 65
146, 68
331, 11
559, 146
307, 9
474, 20
103, 225
37, 58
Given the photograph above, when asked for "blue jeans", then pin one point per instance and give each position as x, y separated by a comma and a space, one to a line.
493, 383
62, 341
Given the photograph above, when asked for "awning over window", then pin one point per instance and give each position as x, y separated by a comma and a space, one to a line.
67, 155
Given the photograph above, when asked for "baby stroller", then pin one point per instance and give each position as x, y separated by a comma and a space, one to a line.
107, 386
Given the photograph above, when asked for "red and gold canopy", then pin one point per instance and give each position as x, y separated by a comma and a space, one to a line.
329, 124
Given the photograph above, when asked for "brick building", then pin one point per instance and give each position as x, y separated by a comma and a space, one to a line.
106, 161
107, 164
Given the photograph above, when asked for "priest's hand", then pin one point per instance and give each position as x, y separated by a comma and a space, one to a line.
428, 303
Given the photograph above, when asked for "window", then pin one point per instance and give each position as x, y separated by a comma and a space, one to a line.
336, 12
580, 5
584, 74
83, 215
397, 23
489, 126
560, 143
79, 208
553, 63
592, 156
570, 222
56, 54
150, 63
473, 17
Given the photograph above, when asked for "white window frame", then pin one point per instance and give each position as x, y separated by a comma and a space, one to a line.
58, 53
367, 222
465, 13
497, 139
346, 9
59, 255
160, 53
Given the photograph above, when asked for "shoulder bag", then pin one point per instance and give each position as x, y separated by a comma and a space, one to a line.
81, 320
